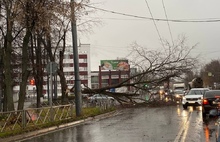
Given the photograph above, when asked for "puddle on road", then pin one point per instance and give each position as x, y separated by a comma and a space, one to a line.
209, 129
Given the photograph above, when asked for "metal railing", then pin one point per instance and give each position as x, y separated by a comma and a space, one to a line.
35, 118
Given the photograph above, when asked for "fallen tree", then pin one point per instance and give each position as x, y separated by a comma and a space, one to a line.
154, 68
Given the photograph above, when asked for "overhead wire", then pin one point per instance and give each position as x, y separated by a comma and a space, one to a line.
141, 19
205, 20
154, 23
200, 20
168, 22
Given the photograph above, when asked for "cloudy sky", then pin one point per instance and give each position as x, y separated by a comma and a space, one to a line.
112, 39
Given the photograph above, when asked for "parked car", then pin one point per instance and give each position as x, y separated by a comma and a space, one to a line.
194, 97
100, 97
211, 101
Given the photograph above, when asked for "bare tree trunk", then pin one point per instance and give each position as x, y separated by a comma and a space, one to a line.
5, 106
7, 65
39, 72
8, 94
25, 72
61, 74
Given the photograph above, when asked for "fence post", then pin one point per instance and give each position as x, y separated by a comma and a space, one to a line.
51, 114
71, 110
24, 119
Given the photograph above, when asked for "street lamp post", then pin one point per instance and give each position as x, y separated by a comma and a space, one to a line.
78, 97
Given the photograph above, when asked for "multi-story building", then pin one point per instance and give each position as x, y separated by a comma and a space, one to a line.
68, 68
111, 72
84, 65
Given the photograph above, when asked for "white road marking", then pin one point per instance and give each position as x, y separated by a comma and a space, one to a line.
181, 136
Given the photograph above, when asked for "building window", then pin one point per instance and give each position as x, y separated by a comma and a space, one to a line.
68, 73
94, 79
66, 65
83, 77
82, 60
85, 60
83, 68
66, 56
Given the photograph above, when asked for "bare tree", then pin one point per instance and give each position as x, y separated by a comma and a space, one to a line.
31, 28
8, 14
155, 67
55, 43
211, 73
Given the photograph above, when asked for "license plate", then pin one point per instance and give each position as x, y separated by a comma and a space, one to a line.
191, 102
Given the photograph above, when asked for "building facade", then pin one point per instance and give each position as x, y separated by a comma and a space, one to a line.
111, 72
68, 68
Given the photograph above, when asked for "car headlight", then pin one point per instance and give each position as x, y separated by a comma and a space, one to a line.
177, 96
200, 98
184, 98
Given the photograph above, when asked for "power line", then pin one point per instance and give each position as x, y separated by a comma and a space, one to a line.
154, 23
110, 18
168, 22
141, 19
207, 20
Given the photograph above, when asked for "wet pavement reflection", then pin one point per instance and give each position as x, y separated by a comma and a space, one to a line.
165, 124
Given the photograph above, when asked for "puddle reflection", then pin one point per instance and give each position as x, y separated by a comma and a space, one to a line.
209, 128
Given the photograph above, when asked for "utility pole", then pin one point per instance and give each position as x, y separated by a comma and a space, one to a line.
78, 96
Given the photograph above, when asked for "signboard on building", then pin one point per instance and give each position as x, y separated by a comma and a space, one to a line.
115, 65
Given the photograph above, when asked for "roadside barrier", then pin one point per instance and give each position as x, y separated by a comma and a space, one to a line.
36, 118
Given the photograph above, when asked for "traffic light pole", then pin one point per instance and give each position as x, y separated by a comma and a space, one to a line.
78, 96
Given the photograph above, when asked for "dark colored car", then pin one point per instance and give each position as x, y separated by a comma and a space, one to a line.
211, 101
178, 94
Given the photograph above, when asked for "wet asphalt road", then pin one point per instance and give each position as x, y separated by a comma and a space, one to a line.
166, 124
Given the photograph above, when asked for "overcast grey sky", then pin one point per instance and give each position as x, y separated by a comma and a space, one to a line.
112, 39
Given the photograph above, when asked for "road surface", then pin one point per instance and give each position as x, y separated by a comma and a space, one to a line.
164, 124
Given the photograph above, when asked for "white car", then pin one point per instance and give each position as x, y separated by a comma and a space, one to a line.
100, 97
194, 97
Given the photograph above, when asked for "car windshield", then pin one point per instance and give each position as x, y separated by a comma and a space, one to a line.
179, 92
196, 92
212, 94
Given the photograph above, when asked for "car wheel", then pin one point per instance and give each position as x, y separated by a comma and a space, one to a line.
184, 106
